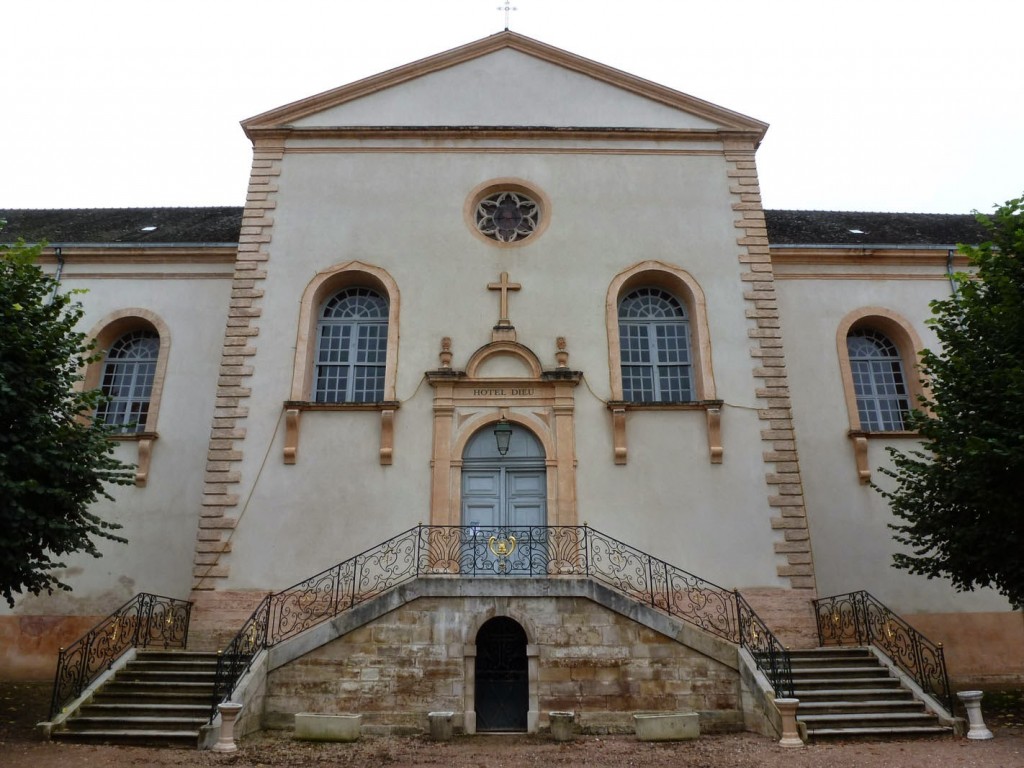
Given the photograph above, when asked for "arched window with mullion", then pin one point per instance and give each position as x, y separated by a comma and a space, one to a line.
352, 340
654, 344
879, 383
127, 381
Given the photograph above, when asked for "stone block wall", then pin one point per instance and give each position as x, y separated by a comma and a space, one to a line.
584, 658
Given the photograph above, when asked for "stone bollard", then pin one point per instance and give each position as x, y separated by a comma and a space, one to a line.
228, 714
441, 725
790, 733
972, 703
561, 725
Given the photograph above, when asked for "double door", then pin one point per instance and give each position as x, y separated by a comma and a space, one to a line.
503, 511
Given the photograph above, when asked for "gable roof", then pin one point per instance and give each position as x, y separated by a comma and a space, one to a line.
713, 117
221, 225
211, 226
871, 228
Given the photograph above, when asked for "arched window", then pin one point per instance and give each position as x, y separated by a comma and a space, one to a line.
654, 346
879, 381
127, 380
352, 345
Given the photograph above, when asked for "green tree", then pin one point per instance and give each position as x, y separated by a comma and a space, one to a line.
961, 496
54, 463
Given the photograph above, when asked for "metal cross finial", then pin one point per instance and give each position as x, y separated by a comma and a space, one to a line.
507, 8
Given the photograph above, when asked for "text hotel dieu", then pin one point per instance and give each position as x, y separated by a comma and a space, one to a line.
504, 392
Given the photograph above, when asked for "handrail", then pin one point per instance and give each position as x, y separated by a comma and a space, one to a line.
144, 620
860, 618
769, 654
472, 551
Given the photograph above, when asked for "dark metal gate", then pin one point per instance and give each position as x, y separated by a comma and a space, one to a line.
502, 683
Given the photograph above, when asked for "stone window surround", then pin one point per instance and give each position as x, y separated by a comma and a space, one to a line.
107, 331
326, 282
659, 274
898, 330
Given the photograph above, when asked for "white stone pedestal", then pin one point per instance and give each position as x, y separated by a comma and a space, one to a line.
228, 714
790, 733
972, 702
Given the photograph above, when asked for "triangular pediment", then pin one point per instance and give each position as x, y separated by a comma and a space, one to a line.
505, 80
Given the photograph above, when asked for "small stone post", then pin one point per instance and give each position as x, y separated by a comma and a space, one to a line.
441, 725
972, 703
228, 714
790, 733
561, 725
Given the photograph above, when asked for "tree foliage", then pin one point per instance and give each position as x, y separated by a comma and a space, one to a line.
960, 496
54, 463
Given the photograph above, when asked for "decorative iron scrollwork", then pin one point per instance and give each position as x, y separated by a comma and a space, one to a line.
858, 618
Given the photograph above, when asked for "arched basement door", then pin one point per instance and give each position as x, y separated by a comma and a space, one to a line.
502, 678
504, 499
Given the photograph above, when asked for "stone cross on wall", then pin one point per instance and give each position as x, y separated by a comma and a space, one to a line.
504, 286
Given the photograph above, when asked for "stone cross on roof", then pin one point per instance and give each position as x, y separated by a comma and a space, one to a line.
507, 8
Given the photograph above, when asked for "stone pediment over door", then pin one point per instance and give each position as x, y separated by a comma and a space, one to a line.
504, 81
503, 380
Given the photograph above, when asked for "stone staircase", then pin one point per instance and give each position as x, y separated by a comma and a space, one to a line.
847, 692
161, 698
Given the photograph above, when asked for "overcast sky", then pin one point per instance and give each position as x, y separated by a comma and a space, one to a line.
901, 105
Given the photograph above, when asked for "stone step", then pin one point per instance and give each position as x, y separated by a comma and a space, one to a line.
840, 662
156, 737
816, 683
130, 674
879, 732
854, 694
176, 655
836, 707
148, 665
869, 720
147, 709
145, 697
190, 724
860, 670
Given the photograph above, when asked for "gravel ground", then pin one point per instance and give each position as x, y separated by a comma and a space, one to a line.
21, 705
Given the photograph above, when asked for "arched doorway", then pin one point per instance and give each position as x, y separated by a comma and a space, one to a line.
502, 688
504, 503
507, 491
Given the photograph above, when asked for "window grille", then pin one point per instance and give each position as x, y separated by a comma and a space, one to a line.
883, 400
352, 343
127, 382
654, 340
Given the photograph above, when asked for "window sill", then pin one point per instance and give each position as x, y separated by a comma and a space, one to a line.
881, 435
292, 417
145, 441
712, 410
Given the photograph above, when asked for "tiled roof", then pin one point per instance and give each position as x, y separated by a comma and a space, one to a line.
221, 225
858, 228
122, 225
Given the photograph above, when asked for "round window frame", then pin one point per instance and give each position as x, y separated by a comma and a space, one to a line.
495, 187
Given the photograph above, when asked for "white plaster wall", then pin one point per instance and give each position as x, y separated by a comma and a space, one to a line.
506, 87
159, 520
852, 544
403, 212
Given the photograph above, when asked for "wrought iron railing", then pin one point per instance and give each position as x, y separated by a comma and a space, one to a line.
857, 618
769, 654
143, 621
468, 551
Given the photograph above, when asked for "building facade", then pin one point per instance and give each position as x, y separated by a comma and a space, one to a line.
574, 257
